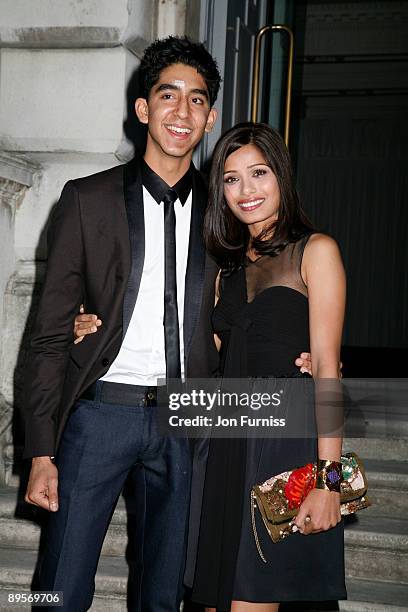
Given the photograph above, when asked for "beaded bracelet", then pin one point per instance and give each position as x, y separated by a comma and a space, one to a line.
329, 475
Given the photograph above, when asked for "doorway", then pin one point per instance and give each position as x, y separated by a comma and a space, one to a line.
348, 140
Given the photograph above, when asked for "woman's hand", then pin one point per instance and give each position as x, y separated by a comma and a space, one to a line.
323, 508
85, 324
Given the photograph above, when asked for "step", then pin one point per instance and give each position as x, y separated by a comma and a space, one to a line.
374, 596
13, 505
106, 603
377, 546
368, 606
101, 603
17, 568
20, 525
376, 424
388, 487
388, 448
24, 534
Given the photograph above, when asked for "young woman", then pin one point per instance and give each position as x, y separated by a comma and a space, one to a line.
281, 289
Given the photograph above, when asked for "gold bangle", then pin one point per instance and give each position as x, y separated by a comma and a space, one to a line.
329, 475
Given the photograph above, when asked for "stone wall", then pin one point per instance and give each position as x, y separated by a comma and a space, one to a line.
66, 69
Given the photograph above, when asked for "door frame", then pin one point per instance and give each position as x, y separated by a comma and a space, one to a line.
212, 32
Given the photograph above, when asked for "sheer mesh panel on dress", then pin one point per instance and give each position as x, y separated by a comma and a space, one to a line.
280, 271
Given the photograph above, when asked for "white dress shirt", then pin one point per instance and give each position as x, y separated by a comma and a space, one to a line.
141, 359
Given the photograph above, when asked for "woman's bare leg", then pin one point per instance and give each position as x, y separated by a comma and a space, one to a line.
246, 606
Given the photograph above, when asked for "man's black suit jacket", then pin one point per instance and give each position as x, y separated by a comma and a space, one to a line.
96, 255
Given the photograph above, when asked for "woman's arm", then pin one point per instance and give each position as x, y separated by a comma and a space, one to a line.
326, 283
323, 273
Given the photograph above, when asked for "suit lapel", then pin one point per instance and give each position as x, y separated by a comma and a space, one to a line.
133, 194
196, 261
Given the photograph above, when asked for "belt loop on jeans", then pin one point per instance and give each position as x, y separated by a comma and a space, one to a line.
98, 391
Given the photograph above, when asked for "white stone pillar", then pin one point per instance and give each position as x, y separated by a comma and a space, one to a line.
171, 17
16, 176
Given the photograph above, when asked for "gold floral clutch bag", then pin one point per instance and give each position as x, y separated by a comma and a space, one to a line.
279, 498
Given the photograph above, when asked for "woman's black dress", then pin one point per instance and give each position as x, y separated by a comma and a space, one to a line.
262, 319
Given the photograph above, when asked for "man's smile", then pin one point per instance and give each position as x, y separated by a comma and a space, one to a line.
178, 131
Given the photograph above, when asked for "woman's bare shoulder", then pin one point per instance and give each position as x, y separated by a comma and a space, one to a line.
321, 241
321, 245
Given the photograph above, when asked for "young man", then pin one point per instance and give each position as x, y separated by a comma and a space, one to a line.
127, 243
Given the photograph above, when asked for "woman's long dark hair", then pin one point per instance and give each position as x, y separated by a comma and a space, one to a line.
226, 237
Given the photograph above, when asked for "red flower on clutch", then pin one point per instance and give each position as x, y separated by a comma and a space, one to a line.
300, 482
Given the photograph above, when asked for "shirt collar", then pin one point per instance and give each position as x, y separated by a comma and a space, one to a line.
158, 188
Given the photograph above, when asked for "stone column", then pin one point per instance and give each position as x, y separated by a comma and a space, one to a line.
16, 176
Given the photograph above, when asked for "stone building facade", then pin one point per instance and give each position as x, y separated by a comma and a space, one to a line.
65, 71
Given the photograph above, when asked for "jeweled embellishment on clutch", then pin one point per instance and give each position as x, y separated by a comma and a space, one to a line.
275, 497
287, 491
300, 482
349, 467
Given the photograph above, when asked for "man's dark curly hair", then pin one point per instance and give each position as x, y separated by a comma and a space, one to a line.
178, 50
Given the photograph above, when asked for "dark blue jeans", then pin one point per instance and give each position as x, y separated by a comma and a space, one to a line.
103, 443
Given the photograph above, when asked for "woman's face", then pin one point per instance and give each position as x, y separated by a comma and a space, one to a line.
251, 189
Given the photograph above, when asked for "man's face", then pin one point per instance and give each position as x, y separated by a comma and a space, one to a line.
177, 112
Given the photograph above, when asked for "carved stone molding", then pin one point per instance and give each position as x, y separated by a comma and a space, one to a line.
16, 174
11, 194
17, 169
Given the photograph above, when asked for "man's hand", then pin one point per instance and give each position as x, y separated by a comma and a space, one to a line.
42, 488
85, 324
320, 511
304, 362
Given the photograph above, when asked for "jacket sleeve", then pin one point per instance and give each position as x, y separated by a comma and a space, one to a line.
52, 334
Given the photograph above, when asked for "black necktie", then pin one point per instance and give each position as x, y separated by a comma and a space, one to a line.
171, 322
